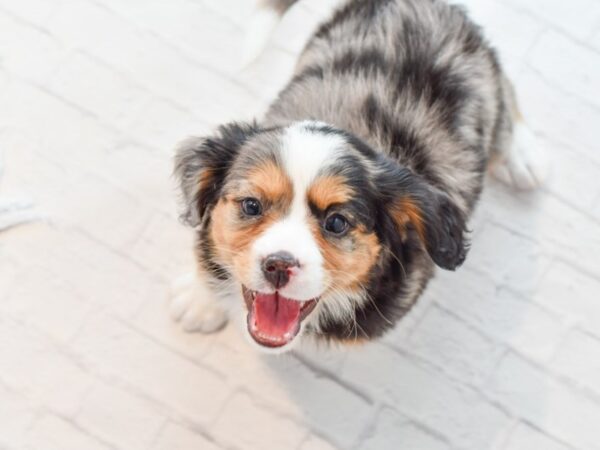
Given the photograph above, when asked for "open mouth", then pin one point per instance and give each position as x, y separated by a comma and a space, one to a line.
274, 320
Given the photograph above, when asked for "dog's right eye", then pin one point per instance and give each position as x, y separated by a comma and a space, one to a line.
337, 224
251, 207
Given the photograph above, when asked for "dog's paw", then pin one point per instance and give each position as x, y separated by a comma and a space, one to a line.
525, 166
194, 307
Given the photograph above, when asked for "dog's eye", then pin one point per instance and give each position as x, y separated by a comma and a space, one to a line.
336, 224
251, 207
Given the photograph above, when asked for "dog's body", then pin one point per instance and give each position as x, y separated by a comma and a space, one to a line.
385, 132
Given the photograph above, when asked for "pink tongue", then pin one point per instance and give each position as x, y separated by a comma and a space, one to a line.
276, 316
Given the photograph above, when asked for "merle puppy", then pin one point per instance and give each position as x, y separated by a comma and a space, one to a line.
325, 218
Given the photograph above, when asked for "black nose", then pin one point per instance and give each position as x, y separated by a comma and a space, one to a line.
276, 268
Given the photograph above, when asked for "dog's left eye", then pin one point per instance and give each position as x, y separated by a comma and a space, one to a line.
336, 224
251, 207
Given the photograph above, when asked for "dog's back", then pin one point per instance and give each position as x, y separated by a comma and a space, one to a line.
413, 78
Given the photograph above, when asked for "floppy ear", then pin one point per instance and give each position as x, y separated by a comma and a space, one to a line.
440, 224
202, 164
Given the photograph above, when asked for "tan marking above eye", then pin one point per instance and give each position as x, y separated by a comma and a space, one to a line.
271, 182
329, 190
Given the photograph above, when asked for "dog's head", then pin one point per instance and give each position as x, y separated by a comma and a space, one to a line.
311, 224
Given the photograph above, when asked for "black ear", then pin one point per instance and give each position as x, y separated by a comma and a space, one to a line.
202, 164
413, 202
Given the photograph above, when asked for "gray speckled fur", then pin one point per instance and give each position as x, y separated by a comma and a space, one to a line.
402, 31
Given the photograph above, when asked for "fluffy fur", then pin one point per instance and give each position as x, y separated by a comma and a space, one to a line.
395, 109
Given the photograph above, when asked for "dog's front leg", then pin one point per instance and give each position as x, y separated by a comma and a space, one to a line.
195, 306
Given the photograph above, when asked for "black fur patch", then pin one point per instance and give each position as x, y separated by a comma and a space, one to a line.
364, 61
309, 72
439, 85
404, 145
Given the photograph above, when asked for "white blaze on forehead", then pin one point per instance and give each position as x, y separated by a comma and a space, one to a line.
304, 153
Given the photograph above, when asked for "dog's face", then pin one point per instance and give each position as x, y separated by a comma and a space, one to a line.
311, 224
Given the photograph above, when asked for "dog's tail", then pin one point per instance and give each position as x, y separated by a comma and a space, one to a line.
280, 6
260, 25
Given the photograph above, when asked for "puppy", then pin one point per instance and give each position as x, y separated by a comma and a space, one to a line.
325, 219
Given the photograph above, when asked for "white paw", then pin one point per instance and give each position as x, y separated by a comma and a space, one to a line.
194, 306
525, 166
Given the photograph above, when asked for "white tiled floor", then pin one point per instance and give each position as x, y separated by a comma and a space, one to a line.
503, 354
